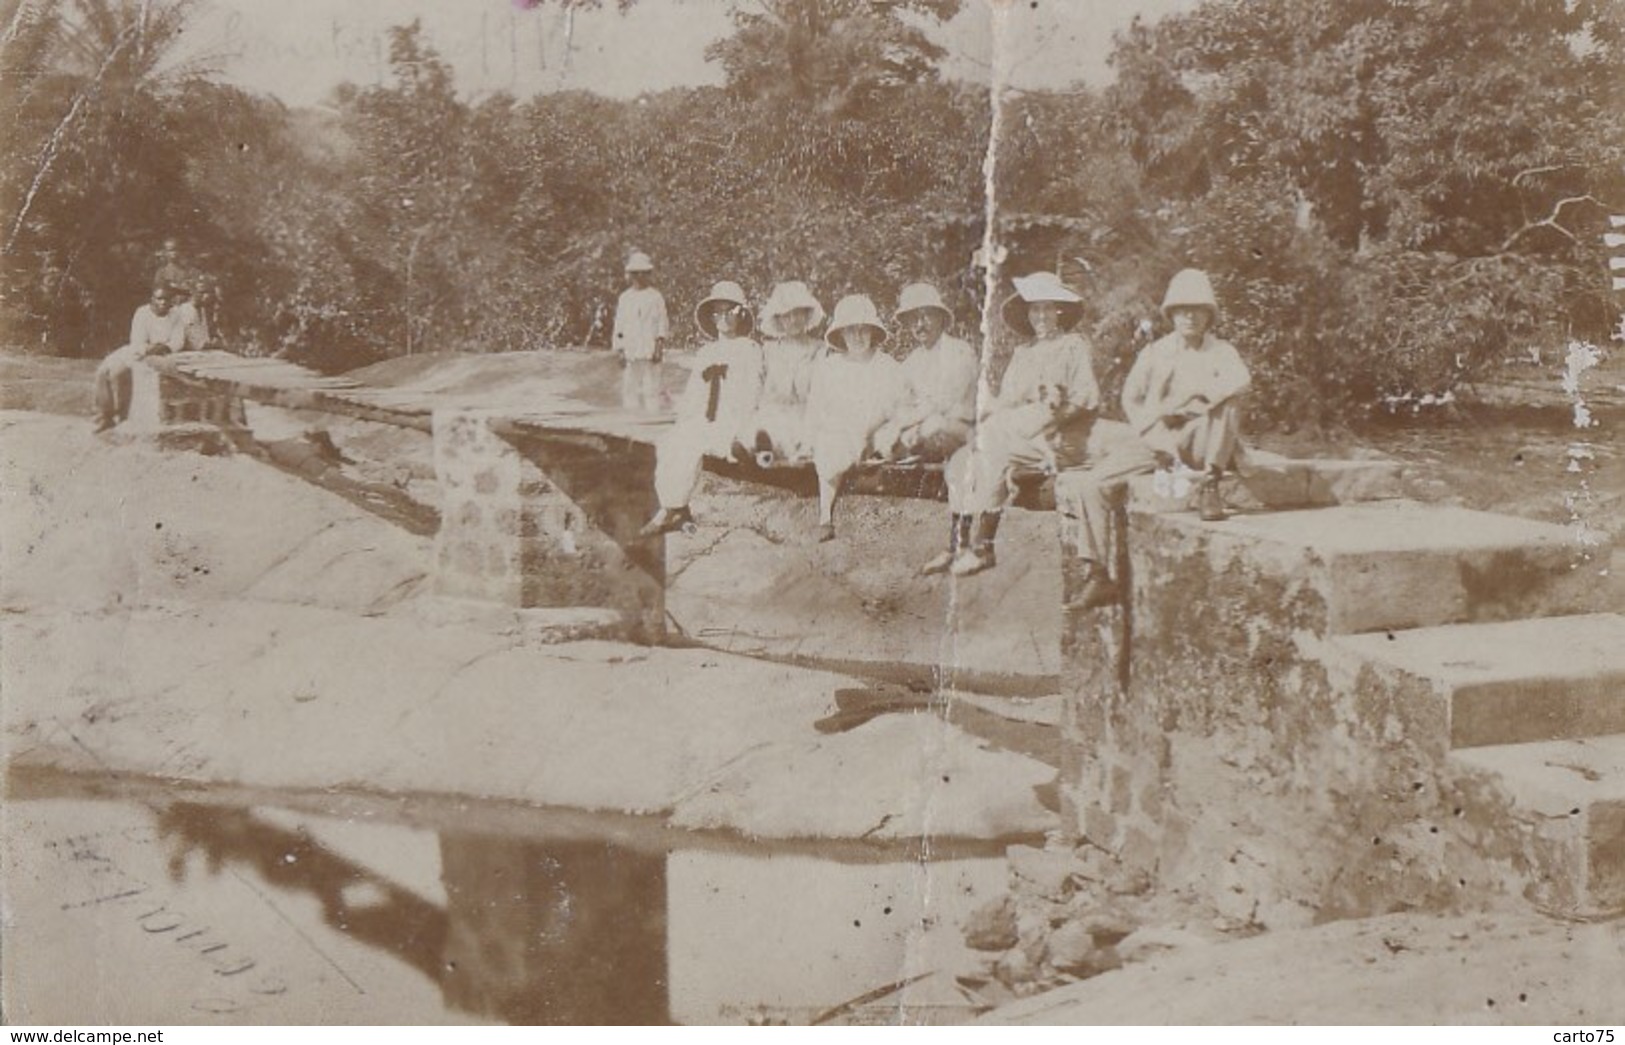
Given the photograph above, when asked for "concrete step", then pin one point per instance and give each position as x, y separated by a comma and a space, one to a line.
1277, 483
1391, 565
1547, 678
1567, 812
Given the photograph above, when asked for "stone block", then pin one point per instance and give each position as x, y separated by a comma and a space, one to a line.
1567, 814
1547, 678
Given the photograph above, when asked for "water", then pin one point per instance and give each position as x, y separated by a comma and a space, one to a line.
130, 903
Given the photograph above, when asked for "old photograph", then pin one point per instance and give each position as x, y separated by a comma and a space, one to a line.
761, 512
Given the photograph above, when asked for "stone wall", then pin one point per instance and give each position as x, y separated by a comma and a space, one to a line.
1220, 738
533, 520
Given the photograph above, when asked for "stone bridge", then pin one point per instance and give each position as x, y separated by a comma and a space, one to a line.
1337, 703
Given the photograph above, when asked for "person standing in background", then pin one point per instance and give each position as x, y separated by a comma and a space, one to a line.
641, 329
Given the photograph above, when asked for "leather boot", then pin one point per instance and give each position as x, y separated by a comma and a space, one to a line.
1209, 501
958, 537
979, 556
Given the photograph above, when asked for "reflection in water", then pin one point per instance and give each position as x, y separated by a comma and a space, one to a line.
509, 922
532, 933
569, 932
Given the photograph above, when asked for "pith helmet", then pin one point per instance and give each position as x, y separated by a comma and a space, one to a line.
1190, 288
639, 262
917, 296
726, 292
1040, 286
854, 310
787, 297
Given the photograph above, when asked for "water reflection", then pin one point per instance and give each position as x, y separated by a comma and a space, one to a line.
547, 930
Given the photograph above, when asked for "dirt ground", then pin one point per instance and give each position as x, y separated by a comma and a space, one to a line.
270, 538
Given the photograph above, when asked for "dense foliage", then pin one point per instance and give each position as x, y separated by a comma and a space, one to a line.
1392, 195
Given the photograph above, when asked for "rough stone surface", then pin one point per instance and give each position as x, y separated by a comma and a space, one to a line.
1397, 969
1221, 738
1568, 800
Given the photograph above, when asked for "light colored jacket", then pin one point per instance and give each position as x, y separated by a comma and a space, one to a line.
1167, 373
640, 323
939, 381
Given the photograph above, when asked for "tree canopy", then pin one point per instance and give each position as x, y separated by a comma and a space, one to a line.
1392, 195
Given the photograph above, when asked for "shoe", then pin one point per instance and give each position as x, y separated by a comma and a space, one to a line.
958, 537
667, 520
103, 424
1099, 590
1210, 502
972, 561
826, 532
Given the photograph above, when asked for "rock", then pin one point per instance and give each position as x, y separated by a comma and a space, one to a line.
1016, 971
1143, 943
1072, 949
992, 927
1044, 872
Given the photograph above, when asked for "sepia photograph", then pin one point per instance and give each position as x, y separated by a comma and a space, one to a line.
812, 512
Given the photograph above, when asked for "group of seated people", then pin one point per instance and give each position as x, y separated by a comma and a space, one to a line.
842, 400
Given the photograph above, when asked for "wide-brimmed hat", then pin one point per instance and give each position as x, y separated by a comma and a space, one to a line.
1040, 286
917, 296
726, 292
1190, 288
854, 310
638, 261
787, 297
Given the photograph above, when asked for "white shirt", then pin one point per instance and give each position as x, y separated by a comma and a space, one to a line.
1168, 372
788, 369
852, 398
179, 330
733, 368
1057, 363
940, 381
640, 321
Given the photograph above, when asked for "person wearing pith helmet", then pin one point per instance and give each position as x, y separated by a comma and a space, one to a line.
1040, 418
788, 319
718, 401
939, 375
1183, 400
855, 389
641, 329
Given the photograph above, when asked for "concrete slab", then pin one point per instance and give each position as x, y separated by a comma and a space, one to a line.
1400, 564
1569, 795
1277, 483
1546, 678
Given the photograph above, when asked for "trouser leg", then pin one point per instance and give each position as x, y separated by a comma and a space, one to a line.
1102, 484
649, 386
102, 394
678, 458
113, 386
629, 392
834, 455
1221, 437
988, 460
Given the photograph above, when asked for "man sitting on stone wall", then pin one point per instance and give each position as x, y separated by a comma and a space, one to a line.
164, 324
1182, 401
